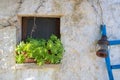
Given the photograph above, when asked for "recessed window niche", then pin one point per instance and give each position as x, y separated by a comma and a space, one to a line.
40, 27
37, 44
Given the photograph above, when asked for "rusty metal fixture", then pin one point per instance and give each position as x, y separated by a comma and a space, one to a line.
103, 51
103, 40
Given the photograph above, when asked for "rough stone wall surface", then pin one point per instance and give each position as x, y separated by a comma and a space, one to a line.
7, 47
80, 30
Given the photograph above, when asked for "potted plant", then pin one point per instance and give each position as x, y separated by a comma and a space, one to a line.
40, 50
22, 53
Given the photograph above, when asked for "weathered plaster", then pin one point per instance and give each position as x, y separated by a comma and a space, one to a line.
80, 30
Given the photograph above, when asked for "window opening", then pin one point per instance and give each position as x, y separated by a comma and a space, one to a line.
40, 27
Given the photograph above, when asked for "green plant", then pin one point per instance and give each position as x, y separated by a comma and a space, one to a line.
55, 48
20, 58
43, 51
20, 53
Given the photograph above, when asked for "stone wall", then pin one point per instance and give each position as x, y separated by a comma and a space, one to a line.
80, 30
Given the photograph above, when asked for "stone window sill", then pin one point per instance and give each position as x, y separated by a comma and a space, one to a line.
31, 71
35, 66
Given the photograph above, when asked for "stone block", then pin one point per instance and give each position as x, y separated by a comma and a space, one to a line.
8, 75
35, 72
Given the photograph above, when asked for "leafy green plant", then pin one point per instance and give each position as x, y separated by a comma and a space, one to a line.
20, 58
20, 53
43, 51
55, 49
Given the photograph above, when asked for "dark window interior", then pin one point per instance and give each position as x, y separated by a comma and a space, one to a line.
43, 29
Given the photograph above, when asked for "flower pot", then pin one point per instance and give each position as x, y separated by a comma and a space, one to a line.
30, 60
47, 62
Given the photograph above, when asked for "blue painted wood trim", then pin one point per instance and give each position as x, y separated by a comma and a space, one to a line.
114, 42
115, 66
107, 59
109, 69
103, 30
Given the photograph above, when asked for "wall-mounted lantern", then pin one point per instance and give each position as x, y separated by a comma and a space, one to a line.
103, 47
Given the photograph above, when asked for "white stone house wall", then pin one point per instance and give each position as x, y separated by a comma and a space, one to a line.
80, 30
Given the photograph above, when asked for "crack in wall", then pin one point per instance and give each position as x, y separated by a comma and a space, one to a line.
19, 6
40, 5
4, 23
77, 3
93, 5
11, 20
101, 10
